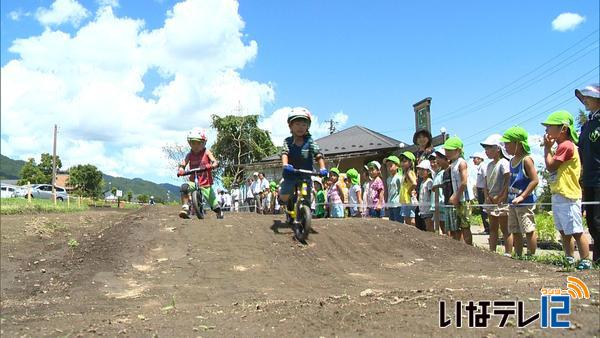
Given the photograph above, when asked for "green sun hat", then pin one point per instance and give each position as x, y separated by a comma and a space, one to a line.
354, 176
393, 159
409, 156
517, 134
335, 171
562, 118
453, 143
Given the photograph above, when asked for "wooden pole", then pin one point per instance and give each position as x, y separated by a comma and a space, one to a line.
54, 167
29, 192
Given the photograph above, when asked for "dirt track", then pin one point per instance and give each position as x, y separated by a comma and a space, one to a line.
147, 272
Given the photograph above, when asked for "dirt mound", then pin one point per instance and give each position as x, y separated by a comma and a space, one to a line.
148, 272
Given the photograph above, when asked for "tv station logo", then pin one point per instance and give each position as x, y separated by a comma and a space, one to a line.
555, 307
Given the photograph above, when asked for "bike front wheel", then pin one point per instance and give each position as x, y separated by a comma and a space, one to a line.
304, 219
197, 203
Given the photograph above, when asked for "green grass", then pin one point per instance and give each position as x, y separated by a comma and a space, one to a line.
553, 258
12, 206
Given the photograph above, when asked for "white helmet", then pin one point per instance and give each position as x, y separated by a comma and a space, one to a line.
197, 134
299, 113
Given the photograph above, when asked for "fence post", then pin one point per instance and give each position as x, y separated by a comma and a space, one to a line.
29, 192
68, 201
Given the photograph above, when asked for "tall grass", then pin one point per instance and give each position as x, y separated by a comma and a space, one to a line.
12, 206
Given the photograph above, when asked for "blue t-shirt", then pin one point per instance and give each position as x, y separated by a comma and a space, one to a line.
301, 157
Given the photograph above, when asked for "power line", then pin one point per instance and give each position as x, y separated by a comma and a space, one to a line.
545, 111
547, 73
527, 74
532, 105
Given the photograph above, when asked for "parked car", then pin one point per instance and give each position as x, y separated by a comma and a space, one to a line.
8, 191
44, 191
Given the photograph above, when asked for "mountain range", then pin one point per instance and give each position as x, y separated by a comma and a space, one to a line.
10, 170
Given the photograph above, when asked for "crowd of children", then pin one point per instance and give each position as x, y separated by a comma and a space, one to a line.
436, 197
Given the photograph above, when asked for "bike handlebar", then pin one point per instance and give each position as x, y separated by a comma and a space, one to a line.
192, 171
307, 172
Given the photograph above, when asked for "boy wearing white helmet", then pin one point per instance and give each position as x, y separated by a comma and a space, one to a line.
299, 152
199, 157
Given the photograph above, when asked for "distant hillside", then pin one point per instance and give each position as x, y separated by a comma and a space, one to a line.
139, 186
10, 169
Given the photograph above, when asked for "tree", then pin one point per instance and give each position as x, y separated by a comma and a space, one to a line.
142, 198
129, 196
175, 153
239, 141
30, 172
86, 179
46, 165
113, 191
581, 119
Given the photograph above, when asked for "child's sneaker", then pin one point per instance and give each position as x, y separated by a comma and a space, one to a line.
506, 254
570, 260
584, 264
184, 213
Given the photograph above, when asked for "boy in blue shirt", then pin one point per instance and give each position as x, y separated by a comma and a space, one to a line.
299, 152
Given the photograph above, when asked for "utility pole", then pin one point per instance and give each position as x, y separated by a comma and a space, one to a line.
54, 166
332, 124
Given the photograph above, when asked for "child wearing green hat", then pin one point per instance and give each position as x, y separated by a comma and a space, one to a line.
565, 168
354, 192
393, 183
523, 181
459, 214
408, 188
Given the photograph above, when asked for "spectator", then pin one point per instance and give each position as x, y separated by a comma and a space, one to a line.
589, 149
478, 159
565, 167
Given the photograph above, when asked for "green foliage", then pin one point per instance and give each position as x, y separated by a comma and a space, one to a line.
72, 243
9, 168
31, 173
129, 196
86, 179
581, 119
138, 186
545, 196
11, 206
142, 198
239, 141
544, 226
45, 165
113, 191
38, 173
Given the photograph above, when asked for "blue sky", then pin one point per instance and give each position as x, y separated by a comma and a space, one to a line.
486, 65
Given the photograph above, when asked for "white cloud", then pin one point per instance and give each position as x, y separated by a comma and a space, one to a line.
567, 21
110, 3
62, 11
17, 14
276, 123
90, 84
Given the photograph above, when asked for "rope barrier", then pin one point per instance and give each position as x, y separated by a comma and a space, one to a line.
467, 204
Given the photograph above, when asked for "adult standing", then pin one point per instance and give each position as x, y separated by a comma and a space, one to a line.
423, 140
248, 195
235, 197
478, 158
589, 149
